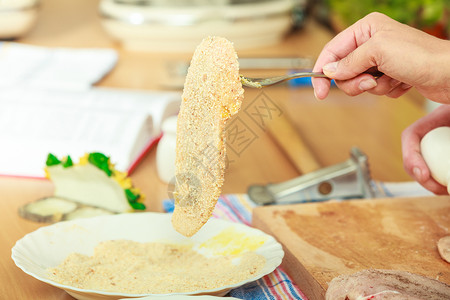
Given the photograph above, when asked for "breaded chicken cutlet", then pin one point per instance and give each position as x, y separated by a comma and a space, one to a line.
212, 94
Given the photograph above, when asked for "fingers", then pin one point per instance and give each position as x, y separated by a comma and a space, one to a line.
339, 47
346, 58
357, 85
413, 161
434, 187
350, 39
416, 167
352, 52
414, 164
356, 62
367, 83
360, 84
347, 74
399, 90
321, 87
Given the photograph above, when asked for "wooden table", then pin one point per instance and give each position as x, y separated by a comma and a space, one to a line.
329, 128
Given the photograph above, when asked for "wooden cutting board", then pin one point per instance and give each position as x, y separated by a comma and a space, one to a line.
324, 240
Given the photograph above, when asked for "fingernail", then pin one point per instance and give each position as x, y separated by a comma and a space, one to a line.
417, 174
330, 67
367, 84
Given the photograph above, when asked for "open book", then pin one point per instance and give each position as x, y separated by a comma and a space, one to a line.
122, 124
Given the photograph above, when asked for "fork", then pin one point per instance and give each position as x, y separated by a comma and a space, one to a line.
262, 82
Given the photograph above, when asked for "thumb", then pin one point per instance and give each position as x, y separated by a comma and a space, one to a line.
350, 66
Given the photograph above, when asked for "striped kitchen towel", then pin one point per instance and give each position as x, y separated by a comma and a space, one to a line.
276, 285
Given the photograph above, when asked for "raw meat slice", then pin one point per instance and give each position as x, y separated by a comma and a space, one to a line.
386, 284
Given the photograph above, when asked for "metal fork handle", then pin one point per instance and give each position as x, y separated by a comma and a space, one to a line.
273, 80
261, 82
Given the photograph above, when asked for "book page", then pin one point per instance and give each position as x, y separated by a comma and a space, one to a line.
118, 123
53, 68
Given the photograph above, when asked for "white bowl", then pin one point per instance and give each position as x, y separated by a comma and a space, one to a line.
48, 246
164, 28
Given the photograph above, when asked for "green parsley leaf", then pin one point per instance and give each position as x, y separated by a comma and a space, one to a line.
137, 205
133, 200
132, 197
52, 160
101, 161
68, 162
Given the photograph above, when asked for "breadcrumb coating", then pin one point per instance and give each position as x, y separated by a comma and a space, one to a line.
212, 94
123, 266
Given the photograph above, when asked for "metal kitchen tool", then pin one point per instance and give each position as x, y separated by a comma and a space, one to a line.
350, 179
262, 82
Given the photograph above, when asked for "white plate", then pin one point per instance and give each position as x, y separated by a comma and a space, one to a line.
48, 246
182, 297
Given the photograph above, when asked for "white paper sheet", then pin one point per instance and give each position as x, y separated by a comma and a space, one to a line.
116, 122
53, 68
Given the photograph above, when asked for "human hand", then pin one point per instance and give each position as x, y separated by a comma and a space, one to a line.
413, 161
407, 56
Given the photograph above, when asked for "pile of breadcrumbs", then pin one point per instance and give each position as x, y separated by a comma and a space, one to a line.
125, 266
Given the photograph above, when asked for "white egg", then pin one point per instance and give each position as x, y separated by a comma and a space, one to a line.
435, 148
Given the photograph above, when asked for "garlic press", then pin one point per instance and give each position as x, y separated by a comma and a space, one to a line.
347, 180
